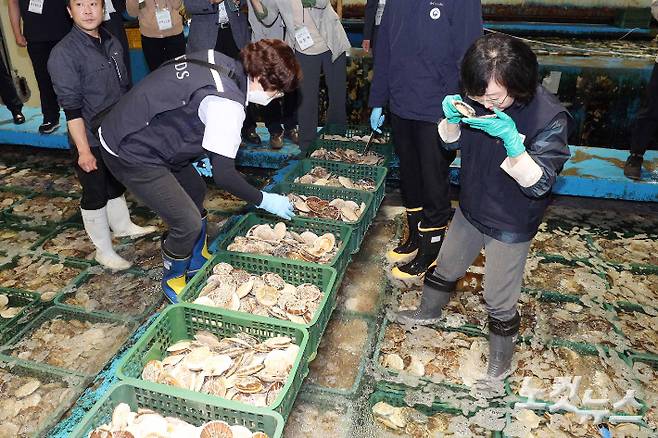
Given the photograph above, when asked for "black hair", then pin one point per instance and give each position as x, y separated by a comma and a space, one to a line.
68, 3
509, 61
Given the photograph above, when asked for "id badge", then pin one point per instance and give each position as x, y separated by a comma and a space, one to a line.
163, 17
223, 16
303, 37
36, 6
380, 12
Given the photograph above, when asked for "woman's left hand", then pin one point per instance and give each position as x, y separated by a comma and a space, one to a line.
503, 127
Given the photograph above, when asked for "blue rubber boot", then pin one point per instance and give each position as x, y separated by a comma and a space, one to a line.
173, 275
200, 253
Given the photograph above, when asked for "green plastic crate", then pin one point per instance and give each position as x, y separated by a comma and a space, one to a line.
293, 272
194, 412
60, 300
69, 263
74, 382
53, 232
58, 312
353, 171
397, 400
351, 131
31, 307
182, 321
388, 379
383, 149
342, 232
359, 228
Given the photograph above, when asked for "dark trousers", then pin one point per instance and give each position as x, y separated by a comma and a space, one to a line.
175, 195
8, 91
423, 169
281, 112
39, 53
115, 26
335, 77
98, 186
159, 50
646, 123
226, 44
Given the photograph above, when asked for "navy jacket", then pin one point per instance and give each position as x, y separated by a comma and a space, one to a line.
205, 26
490, 198
157, 123
420, 44
88, 75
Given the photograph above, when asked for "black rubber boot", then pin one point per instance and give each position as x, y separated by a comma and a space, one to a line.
436, 294
633, 166
407, 250
502, 337
429, 244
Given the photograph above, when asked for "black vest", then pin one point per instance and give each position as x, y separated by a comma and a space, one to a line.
490, 196
157, 121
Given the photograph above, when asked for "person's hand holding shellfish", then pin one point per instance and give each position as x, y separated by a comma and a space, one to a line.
449, 110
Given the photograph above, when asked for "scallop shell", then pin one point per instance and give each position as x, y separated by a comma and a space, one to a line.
280, 230
245, 288
277, 342
10, 312
240, 432
4, 301
179, 346
27, 389
346, 182
296, 308
121, 416
308, 292
263, 232
222, 268
216, 429
153, 371
308, 237
204, 337
214, 386
274, 280
259, 434
463, 108
323, 244
349, 214
393, 361
204, 301
249, 385
266, 295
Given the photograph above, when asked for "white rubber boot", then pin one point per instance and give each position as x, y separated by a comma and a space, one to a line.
98, 229
119, 218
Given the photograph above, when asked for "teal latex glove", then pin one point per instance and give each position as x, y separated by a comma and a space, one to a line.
277, 204
503, 127
452, 115
376, 119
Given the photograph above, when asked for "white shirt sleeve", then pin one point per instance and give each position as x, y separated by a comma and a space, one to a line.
223, 119
526, 171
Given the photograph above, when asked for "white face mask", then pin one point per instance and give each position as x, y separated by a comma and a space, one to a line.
259, 97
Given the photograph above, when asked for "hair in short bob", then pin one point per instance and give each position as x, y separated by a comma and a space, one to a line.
274, 63
509, 61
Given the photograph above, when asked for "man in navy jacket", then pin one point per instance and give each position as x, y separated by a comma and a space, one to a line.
419, 49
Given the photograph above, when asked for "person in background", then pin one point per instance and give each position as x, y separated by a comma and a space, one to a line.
151, 139
419, 47
280, 116
646, 123
161, 29
509, 165
220, 25
89, 76
373, 18
44, 24
113, 22
10, 96
321, 44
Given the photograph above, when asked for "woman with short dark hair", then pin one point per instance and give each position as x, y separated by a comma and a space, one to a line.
509, 162
151, 139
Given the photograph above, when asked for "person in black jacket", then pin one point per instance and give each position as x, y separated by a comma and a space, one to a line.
420, 44
373, 18
89, 76
44, 23
151, 139
9, 96
113, 22
509, 165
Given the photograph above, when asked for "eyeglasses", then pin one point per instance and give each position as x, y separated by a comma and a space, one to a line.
483, 100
